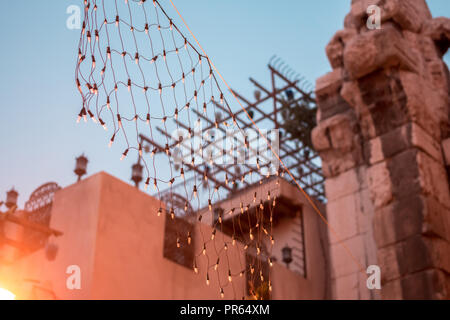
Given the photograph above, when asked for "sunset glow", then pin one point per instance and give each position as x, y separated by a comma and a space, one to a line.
6, 295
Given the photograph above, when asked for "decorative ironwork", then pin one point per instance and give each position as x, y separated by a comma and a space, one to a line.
38, 209
41, 197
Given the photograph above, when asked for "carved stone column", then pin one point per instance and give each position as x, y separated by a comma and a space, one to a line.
383, 116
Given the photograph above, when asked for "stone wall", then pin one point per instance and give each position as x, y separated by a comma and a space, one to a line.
383, 119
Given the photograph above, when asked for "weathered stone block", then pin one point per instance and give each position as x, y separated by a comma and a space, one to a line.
380, 185
346, 183
335, 48
400, 139
343, 263
385, 102
347, 288
392, 290
433, 179
343, 218
329, 101
428, 284
425, 105
439, 30
338, 144
387, 259
377, 49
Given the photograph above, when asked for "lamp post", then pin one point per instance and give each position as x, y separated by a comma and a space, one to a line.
81, 166
287, 255
11, 198
11, 201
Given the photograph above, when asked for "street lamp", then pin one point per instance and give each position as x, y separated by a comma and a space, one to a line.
136, 173
11, 198
287, 255
81, 166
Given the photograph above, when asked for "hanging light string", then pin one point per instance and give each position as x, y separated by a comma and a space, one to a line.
311, 202
111, 73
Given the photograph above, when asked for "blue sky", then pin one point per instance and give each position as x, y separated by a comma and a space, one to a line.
38, 97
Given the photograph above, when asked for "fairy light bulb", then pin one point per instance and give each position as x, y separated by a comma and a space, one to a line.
209, 205
147, 182
225, 247
111, 141
172, 214
124, 154
230, 278
216, 266
204, 250
155, 184
195, 267
146, 28
254, 197
270, 286
233, 240
251, 235
195, 191
189, 238
195, 95
129, 85
185, 43
204, 107
171, 181
221, 98
252, 269
222, 294
103, 124
272, 240
164, 55
136, 58
182, 173
96, 36
213, 234
258, 250
171, 25
270, 262
207, 279
178, 243
183, 78
89, 36
160, 88
117, 21
119, 120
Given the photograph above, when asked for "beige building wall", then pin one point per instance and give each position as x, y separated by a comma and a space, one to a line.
113, 233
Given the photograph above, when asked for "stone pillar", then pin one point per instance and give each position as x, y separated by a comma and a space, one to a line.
383, 115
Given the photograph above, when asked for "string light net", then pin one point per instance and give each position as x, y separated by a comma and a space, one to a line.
159, 99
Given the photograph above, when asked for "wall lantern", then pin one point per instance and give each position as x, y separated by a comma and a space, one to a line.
287, 255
